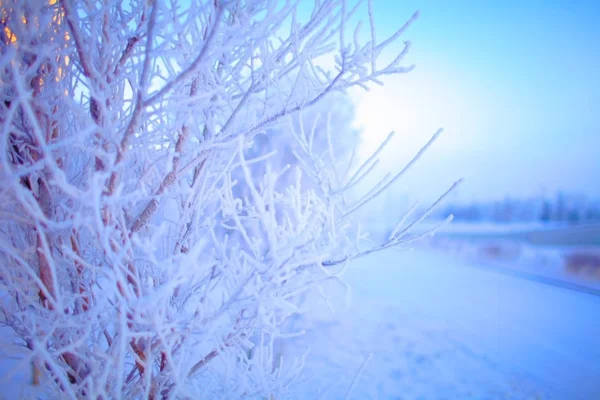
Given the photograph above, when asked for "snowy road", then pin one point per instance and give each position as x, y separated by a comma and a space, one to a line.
438, 328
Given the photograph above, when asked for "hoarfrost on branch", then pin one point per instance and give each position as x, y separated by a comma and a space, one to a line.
172, 186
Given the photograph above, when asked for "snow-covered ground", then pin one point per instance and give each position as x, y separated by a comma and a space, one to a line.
539, 234
439, 328
479, 227
435, 327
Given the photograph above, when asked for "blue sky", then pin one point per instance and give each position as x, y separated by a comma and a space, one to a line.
515, 84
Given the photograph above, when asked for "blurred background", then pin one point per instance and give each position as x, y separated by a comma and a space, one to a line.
502, 302
516, 87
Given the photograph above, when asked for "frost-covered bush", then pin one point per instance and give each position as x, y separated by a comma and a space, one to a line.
153, 240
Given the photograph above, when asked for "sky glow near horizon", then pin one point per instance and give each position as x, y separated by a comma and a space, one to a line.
515, 85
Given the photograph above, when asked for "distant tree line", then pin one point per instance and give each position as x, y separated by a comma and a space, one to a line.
564, 207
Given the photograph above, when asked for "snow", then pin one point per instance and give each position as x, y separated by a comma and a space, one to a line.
480, 227
565, 257
439, 327
494, 227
